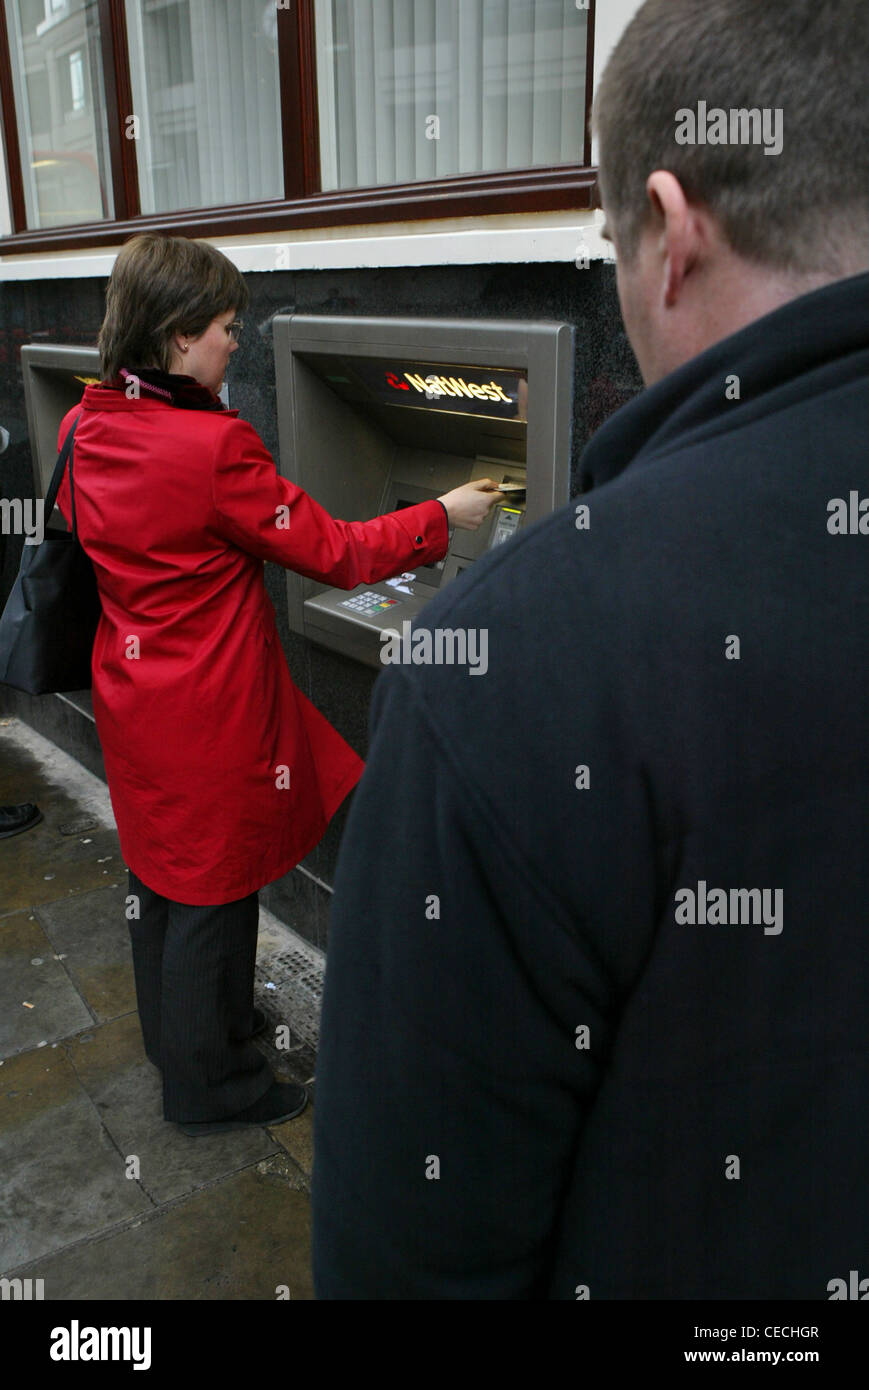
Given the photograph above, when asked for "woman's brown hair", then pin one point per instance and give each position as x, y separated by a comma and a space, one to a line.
160, 286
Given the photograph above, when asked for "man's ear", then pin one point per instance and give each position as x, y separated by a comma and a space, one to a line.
680, 231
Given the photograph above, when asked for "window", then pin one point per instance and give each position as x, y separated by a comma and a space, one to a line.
61, 124
206, 90
423, 89
76, 82
221, 116
54, 10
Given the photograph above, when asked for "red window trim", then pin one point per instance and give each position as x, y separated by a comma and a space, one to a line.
119, 98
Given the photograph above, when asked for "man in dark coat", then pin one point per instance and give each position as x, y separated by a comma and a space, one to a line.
598, 979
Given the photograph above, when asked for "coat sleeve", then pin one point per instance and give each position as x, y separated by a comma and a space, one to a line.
450, 1091
263, 513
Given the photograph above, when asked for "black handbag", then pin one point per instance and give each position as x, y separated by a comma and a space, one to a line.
50, 620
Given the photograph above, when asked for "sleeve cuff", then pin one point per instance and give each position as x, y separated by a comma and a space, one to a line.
427, 529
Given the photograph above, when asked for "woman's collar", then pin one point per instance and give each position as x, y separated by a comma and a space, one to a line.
183, 391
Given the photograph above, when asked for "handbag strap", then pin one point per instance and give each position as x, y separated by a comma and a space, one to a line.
57, 476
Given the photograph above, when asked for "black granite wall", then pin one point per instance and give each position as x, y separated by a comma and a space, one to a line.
606, 376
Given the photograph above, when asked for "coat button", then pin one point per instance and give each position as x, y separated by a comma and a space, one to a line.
419, 540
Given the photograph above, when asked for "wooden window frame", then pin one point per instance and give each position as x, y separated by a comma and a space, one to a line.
562, 187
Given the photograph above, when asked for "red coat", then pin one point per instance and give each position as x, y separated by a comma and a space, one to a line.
177, 510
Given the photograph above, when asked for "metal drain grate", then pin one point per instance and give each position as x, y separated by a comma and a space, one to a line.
289, 979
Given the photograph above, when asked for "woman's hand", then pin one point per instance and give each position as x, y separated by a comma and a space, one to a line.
468, 506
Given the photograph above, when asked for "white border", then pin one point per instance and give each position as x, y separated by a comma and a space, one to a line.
464, 242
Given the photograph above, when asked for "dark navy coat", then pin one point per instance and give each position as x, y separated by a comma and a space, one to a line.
598, 979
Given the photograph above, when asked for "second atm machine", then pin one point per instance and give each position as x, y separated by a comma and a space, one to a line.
377, 414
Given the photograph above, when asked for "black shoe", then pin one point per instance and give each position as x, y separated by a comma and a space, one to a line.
14, 819
284, 1100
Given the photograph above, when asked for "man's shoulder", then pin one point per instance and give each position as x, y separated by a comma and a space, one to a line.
610, 535
591, 590
519, 618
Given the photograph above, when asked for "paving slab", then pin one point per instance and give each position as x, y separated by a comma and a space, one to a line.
128, 1095
32, 768
242, 1238
41, 864
226, 1216
297, 1137
63, 1178
90, 930
44, 863
38, 1001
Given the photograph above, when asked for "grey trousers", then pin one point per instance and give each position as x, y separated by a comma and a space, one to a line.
194, 970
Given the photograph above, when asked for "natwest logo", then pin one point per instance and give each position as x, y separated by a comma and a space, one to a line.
472, 389
433, 387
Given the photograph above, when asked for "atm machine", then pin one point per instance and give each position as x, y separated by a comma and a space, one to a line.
377, 414
54, 381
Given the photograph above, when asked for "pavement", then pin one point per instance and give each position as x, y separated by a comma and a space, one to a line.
101, 1198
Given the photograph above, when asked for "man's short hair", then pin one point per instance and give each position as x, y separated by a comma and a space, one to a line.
797, 210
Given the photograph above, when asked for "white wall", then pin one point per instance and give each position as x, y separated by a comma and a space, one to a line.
611, 19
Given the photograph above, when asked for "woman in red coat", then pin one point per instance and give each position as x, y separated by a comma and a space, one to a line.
222, 774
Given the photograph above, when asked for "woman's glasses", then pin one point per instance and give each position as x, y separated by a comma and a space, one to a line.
234, 329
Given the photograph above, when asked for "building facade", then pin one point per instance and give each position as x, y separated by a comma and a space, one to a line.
358, 157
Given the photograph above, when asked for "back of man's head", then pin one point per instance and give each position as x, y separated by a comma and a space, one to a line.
790, 187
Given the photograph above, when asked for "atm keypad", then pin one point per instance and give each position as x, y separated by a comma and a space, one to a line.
369, 602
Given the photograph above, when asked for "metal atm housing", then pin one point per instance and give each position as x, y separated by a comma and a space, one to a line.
378, 413
54, 380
